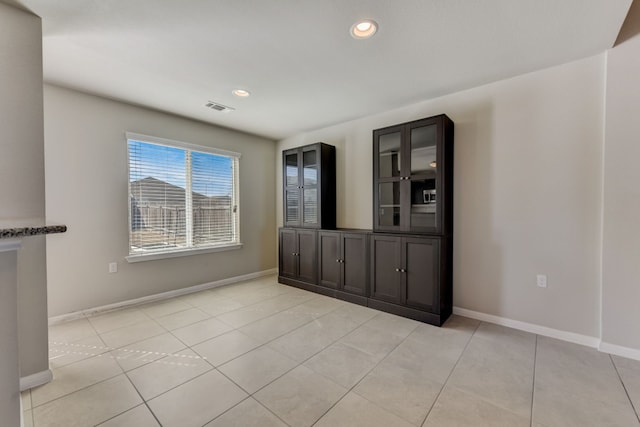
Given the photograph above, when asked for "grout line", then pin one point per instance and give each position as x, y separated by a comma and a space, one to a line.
349, 390
144, 401
451, 373
250, 396
358, 326
266, 345
533, 385
276, 415
77, 390
214, 368
625, 388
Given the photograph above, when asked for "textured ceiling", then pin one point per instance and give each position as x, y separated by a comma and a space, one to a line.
297, 58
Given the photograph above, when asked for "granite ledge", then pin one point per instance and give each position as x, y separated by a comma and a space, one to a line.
11, 233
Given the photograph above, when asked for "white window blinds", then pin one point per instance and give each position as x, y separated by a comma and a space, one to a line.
181, 196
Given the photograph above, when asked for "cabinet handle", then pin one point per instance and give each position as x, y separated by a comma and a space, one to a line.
402, 270
337, 260
398, 270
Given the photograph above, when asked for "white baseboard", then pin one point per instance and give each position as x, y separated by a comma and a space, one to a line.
530, 327
54, 320
618, 350
35, 380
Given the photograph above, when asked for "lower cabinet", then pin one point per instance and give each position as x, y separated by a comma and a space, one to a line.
343, 263
298, 255
407, 275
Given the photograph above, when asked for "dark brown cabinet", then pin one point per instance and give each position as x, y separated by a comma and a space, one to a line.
406, 277
413, 176
298, 255
309, 186
343, 263
413, 198
403, 266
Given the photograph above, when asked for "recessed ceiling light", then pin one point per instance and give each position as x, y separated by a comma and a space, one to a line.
364, 29
241, 93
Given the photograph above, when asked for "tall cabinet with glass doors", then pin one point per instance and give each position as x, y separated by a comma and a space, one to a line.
411, 247
309, 195
309, 186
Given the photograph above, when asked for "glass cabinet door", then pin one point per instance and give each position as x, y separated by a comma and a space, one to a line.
292, 214
310, 187
423, 161
389, 209
292, 205
389, 156
291, 172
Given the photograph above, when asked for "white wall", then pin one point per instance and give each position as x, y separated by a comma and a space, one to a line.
23, 322
528, 176
621, 240
86, 188
22, 174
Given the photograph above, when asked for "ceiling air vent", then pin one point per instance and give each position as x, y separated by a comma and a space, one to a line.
218, 107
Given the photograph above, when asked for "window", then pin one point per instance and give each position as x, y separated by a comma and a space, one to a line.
182, 198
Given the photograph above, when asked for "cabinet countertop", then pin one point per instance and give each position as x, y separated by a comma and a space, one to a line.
14, 232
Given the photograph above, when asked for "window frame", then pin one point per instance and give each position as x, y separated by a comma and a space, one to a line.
190, 250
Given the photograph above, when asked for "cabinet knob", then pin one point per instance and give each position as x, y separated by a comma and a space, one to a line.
337, 260
402, 270
398, 270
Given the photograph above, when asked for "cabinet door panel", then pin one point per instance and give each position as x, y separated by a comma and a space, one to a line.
288, 249
310, 167
354, 254
421, 273
310, 204
423, 140
329, 267
291, 169
389, 154
307, 256
292, 214
385, 260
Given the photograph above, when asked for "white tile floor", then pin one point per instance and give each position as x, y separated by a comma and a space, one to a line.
263, 354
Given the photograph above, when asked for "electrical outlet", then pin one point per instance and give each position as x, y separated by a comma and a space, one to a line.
541, 280
113, 267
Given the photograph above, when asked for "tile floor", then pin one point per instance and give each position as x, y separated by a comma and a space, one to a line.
259, 353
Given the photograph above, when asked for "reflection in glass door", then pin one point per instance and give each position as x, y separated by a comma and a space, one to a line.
292, 189
389, 155
389, 204
424, 201
310, 187
291, 164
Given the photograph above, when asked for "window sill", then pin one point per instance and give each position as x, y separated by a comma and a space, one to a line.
181, 252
